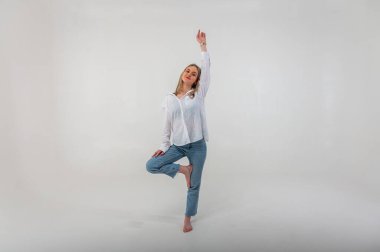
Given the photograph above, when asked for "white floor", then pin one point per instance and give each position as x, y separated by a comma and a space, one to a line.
237, 212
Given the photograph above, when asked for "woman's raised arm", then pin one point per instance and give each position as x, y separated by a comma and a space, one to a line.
204, 81
201, 38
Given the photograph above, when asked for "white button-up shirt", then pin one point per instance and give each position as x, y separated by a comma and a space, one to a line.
185, 118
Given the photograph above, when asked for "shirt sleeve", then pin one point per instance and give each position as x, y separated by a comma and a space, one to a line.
204, 81
165, 144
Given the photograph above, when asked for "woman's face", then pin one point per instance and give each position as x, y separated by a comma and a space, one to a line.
189, 76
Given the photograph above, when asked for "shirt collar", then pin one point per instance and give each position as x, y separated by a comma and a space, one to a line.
183, 95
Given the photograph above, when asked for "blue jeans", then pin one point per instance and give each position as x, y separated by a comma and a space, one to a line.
196, 153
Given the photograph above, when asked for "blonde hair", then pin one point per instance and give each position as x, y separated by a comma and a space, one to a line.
195, 85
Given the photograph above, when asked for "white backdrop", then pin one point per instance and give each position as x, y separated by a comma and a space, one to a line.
293, 115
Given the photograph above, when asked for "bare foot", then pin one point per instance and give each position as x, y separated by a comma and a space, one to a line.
187, 225
186, 170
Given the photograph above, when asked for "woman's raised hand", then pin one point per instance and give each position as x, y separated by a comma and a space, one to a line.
201, 37
158, 153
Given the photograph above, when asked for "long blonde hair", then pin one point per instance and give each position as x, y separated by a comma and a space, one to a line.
195, 85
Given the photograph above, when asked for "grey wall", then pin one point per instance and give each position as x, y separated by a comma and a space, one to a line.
294, 92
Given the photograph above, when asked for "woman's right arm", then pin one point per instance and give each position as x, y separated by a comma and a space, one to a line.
165, 144
166, 133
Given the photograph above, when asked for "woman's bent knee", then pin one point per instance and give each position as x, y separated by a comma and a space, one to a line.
150, 167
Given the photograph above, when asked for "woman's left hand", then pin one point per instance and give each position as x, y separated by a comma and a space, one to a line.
201, 37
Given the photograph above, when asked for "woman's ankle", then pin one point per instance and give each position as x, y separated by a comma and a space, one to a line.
181, 169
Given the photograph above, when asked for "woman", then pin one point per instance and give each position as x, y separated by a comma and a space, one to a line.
185, 124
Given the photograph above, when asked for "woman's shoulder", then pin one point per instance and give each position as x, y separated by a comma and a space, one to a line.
169, 96
168, 99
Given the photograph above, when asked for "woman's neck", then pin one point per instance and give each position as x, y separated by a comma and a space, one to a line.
185, 90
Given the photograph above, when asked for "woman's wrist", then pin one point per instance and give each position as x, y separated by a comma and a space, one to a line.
203, 46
